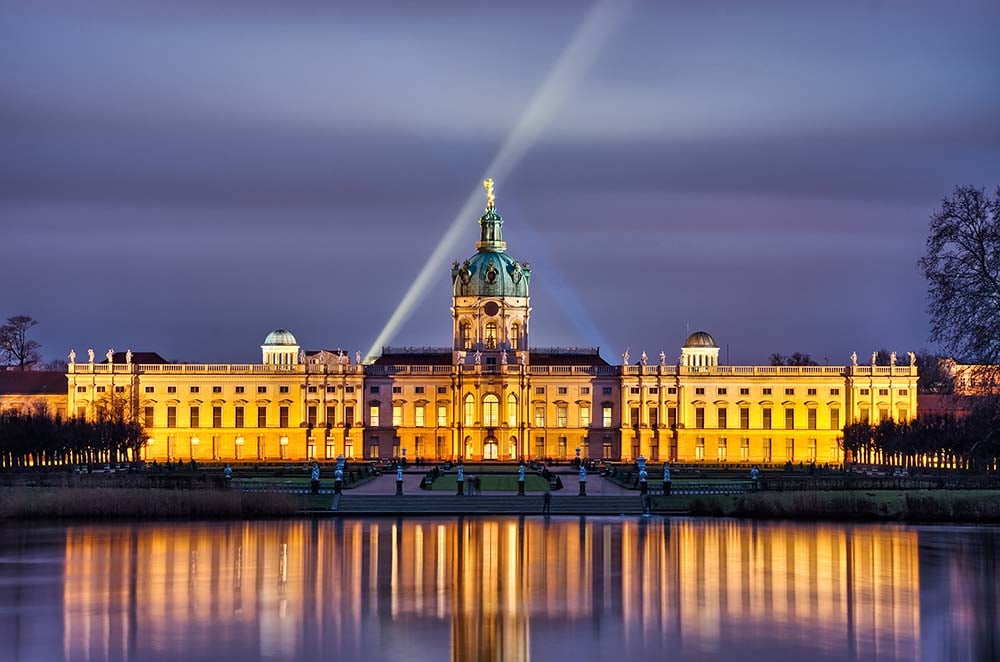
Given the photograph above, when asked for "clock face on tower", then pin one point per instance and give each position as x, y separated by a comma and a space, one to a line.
491, 308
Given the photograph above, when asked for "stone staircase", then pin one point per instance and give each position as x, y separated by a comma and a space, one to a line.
349, 505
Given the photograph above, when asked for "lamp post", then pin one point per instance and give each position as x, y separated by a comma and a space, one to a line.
194, 442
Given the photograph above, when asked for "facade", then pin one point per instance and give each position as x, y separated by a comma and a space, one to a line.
30, 391
491, 395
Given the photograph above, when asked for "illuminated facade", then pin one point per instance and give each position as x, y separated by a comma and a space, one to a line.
493, 396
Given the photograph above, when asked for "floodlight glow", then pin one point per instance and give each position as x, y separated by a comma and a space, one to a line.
580, 53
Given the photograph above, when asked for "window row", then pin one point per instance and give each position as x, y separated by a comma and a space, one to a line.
794, 451
191, 417
764, 422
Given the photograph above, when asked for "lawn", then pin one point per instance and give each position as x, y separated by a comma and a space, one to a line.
494, 483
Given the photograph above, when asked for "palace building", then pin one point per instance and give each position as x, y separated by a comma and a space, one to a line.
491, 395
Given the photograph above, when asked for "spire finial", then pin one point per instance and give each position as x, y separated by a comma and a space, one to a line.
488, 185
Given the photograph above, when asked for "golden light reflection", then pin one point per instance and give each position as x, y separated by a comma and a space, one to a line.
481, 587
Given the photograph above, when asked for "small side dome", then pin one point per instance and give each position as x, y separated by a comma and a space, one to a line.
700, 339
280, 337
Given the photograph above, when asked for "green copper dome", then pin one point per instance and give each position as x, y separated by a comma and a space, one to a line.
490, 272
280, 337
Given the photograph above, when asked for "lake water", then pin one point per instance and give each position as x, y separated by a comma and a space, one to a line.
502, 588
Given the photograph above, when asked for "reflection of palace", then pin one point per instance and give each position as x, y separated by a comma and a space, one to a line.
491, 395
490, 589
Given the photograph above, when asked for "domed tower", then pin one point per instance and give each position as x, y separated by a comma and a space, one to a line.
280, 348
490, 307
700, 351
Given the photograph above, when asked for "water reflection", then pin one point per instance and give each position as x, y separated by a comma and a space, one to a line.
501, 589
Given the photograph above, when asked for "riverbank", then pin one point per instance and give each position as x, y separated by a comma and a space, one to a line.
953, 506
36, 503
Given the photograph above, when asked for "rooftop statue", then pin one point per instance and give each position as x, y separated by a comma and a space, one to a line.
72, 356
488, 185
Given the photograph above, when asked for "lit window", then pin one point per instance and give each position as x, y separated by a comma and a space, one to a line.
723, 418
789, 418
171, 417
766, 418
834, 419
397, 415
418, 416
239, 416
584, 416
373, 416
515, 336
491, 411
606, 416
442, 416
539, 416
216, 417
699, 449
465, 335
811, 418
561, 419
721, 452
512, 410
491, 335
147, 418
699, 417
745, 418
745, 449
195, 416
470, 409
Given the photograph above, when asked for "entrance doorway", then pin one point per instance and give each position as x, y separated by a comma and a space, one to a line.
490, 448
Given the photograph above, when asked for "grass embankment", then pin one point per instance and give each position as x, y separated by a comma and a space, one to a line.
25, 503
910, 506
494, 483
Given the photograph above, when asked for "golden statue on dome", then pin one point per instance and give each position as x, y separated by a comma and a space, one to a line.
488, 185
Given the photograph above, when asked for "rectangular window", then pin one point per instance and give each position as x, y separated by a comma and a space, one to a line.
789, 418
419, 390
194, 414
654, 417
241, 389
442, 389
562, 390
310, 389
562, 448
539, 446
812, 450
584, 390
331, 389
606, 390
397, 415
101, 389
811, 420
331, 415
195, 389
584, 416
83, 389
539, 390
810, 391
397, 389
373, 448
147, 417
606, 448
349, 389
442, 416
282, 389
789, 391
511, 412
722, 391
119, 389
699, 391
149, 389
171, 389
373, 416
653, 390
374, 390
539, 416
262, 389
634, 390
699, 417
767, 450
863, 415
723, 418
216, 417
442, 450
834, 419
418, 416
883, 414
903, 391
634, 412
766, 418
883, 392
671, 417
699, 449
470, 411
745, 418
216, 389
283, 417
834, 391
901, 415
744, 391
238, 416
331, 451
418, 446
311, 450
790, 450
561, 417
672, 390
606, 416
311, 415
766, 391
745, 449
262, 417
865, 391
723, 448
349, 418
171, 417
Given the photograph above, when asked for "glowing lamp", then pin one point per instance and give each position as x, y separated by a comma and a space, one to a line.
195, 441
283, 441
239, 441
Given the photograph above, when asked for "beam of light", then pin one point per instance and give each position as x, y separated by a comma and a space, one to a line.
571, 66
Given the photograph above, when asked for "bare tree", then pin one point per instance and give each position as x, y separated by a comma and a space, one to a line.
15, 346
795, 359
962, 267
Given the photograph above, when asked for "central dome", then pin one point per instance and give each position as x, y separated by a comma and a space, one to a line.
280, 337
490, 273
700, 339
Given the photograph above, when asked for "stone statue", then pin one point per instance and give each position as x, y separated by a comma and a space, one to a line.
663, 358
128, 356
913, 359
461, 474
399, 473
111, 355
460, 354
643, 358
302, 356
520, 474
488, 185
583, 474
874, 357
625, 357
90, 355
522, 358
477, 357
643, 475
503, 357
892, 359
72, 356
854, 359
339, 473
357, 357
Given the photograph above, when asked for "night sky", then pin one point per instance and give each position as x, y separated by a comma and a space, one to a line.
183, 177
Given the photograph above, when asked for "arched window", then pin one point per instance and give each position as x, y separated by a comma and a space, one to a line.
465, 335
491, 411
515, 336
512, 410
470, 409
491, 335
